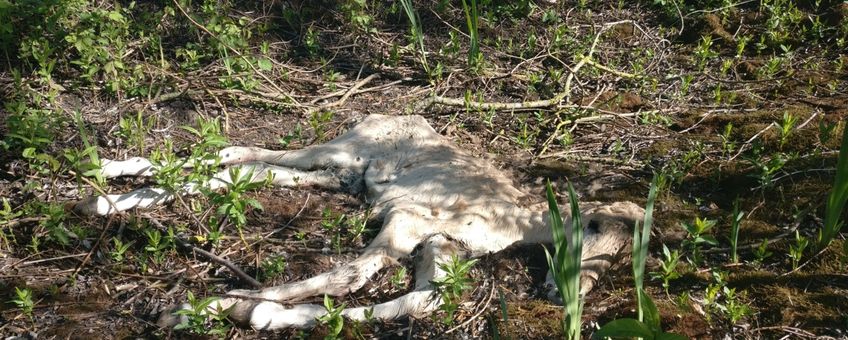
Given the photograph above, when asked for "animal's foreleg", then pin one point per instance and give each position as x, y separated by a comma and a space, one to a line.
254, 173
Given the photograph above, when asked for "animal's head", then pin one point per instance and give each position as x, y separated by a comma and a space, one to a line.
602, 218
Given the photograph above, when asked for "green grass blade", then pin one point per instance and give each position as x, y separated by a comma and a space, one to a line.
641, 239
417, 32
838, 196
573, 265
734, 230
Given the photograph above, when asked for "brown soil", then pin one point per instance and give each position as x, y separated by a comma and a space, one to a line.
81, 292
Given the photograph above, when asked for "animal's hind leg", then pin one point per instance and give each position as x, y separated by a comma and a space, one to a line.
257, 172
422, 300
399, 237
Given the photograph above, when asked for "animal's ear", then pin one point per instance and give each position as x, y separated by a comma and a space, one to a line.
627, 212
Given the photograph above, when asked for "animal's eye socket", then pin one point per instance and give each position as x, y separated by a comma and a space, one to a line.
593, 225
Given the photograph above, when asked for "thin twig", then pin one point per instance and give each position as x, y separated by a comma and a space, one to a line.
215, 258
266, 236
476, 315
109, 220
346, 94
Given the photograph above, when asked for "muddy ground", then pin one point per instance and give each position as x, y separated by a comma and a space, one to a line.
655, 100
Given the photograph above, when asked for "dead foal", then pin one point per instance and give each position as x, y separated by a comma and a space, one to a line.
427, 192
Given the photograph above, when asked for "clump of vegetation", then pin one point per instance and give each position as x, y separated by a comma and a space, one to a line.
23, 300
452, 286
333, 319
697, 237
200, 321
837, 198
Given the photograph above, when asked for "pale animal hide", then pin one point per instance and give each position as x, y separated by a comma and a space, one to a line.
428, 192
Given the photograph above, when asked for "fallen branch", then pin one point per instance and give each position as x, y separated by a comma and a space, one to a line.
352, 90
557, 100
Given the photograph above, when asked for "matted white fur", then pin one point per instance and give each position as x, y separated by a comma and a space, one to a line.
428, 192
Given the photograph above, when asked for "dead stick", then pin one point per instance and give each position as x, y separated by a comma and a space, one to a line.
105, 227
215, 258
347, 93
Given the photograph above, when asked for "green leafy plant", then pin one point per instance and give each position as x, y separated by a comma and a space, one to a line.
728, 146
333, 319
786, 127
761, 252
54, 223
704, 51
156, 245
565, 264
768, 168
669, 267
356, 225
204, 157
837, 198
398, 279
416, 32
735, 220
723, 301
734, 309
332, 223
117, 253
796, 251
233, 203
133, 130
23, 300
6, 217
311, 41
641, 239
318, 121
451, 286
626, 328
200, 321
697, 236
826, 131
711, 300
85, 162
356, 12
272, 266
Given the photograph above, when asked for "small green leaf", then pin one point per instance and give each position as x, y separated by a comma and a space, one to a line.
630, 328
116, 16
707, 239
651, 314
264, 64
670, 336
